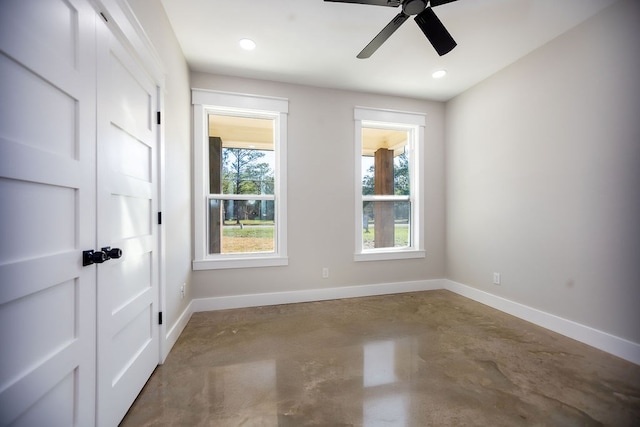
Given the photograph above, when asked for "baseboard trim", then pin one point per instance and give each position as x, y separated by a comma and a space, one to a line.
176, 329
612, 344
274, 298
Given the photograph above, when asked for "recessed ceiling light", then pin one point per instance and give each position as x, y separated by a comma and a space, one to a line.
247, 44
439, 74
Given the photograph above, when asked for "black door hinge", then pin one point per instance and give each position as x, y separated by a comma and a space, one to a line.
159, 218
160, 318
158, 117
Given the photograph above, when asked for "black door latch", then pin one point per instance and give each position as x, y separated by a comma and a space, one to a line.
98, 257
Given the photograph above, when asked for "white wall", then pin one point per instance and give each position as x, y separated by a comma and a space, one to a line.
543, 176
321, 196
177, 137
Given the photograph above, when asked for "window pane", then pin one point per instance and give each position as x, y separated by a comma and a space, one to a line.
368, 178
241, 155
401, 181
385, 162
386, 224
247, 171
241, 226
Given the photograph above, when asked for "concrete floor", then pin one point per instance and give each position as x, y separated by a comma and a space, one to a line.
417, 359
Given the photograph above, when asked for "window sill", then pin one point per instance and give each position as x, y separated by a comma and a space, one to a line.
218, 264
389, 255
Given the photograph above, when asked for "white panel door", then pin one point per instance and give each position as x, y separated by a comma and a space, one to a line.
128, 343
47, 213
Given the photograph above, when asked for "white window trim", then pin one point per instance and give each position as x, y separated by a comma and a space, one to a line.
402, 120
206, 102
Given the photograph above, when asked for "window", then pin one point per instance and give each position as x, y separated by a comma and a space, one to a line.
389, 206
239, 180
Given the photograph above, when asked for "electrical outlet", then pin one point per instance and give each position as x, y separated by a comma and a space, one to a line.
325, 272
496, 278
182, 290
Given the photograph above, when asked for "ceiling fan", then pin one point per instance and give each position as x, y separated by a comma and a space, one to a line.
426, 19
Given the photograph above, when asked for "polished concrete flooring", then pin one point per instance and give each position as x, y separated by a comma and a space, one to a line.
417, 359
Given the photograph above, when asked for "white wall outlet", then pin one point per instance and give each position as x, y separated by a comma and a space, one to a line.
183, 288
325, 272
496, 278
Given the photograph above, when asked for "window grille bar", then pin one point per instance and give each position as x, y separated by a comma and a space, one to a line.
241, 197
385, 198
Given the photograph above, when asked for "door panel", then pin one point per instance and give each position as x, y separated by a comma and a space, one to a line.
34, 340
130, 99
128, 341
130, 157
54, 23
33, 236
130, 212
55, 109
47, 206
55, 401
131, 278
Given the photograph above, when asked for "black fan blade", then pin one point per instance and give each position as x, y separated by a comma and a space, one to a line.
437, 34
391, 3
434, 3
383, 35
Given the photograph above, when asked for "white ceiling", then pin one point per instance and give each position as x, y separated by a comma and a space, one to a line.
315, 43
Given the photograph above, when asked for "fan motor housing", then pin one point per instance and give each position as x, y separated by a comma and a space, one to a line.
413, 7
